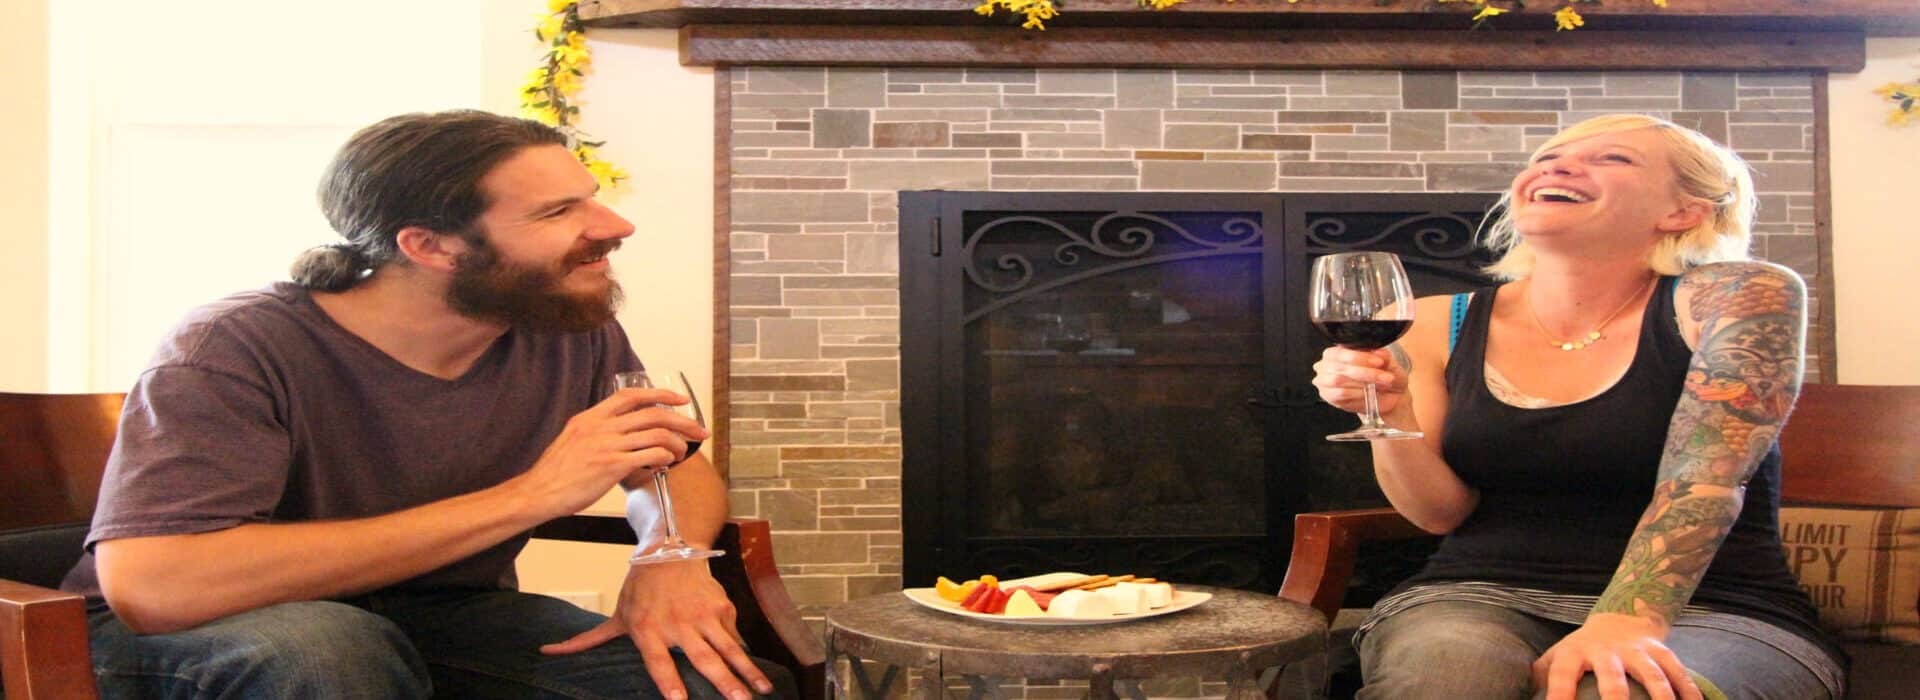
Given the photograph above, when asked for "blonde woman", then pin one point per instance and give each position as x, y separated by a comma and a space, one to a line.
1599, 446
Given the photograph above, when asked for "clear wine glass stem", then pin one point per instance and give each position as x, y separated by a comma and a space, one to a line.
666, 511
1372, 418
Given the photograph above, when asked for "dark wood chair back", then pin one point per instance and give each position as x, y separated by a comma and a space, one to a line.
1849, 445
53, 449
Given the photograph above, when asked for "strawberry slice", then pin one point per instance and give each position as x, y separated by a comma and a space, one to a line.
998, 604
985, 599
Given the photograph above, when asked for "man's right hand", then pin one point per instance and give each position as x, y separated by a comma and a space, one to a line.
603, 445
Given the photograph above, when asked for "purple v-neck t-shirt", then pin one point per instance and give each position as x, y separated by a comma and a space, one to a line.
259, 408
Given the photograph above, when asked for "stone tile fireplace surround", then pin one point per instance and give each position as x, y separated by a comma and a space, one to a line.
818, 154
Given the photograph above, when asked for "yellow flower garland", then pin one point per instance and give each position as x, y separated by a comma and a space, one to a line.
547, 97
1904, 97
1038, 12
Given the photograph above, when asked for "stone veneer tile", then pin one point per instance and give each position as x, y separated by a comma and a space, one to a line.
1065, 167
873, 254
871, 375
798, 207
864, 586
753, 462
1792, 137
1170, 155
747, 382
806, 247
856, 87
858, 497
988, 140
1207, 175
1783, 177
1131, 128
1773, 80
964, 89
1630, 84
1802, 253
1310, 184
1276, 142
1049, 183
776, 79
790, 510
1202, 136
1363, 83
1000, 75
782, 411
943, 101
784, 338
1077, 82
1429, 90
1331, 117
1624, 104
1483, 138
918, 174
1064, 141
1059, 101
1336, 142
1346, 103
1513, 104
1417, 131
1707, 91
790, 168
910, 135
1480, 79
1246, 102
842, 128
1349, 169
1186, 76
1143, 88
775, 101
755, 291
1470, 177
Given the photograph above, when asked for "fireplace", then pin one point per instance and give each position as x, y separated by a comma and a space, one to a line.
1119, 382
840, 182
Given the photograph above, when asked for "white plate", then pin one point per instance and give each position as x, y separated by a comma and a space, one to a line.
930, 598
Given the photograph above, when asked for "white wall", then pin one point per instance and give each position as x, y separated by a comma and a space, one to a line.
23, 196
1876, 232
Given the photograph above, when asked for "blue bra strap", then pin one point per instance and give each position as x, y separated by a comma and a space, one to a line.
1459, 317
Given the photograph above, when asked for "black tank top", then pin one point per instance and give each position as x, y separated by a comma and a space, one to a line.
1562, 488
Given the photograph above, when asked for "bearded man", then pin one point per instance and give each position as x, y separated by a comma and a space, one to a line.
319, 488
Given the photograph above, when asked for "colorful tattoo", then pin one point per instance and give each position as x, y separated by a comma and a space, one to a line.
1739, 388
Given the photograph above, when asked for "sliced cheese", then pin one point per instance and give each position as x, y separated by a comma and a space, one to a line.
1080, 604
1126, 598
1158, 594
1022, 605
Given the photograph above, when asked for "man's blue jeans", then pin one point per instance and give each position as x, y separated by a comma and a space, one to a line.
458, 644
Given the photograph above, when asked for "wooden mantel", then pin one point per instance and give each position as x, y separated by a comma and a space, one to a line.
1820, 35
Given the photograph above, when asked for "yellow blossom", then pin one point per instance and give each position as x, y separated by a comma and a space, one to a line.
1567, 18
1487, 12
567, 55
560, 5
549, 27
1660, 3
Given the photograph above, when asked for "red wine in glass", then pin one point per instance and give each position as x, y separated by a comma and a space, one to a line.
1363, 335
1362, 301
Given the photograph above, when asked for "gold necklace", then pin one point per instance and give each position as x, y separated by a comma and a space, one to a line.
1593, 336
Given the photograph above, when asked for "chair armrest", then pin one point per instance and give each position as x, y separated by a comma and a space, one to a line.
1324, 545
43, 644
767, 618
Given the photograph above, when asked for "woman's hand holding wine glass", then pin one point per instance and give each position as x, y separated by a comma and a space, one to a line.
1363, 302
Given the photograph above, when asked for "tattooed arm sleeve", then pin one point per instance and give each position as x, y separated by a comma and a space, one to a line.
1743, 380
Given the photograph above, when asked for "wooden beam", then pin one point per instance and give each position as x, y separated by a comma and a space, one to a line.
723, 45
1887, 16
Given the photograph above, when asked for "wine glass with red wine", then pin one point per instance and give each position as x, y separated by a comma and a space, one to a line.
672, 548
1362, 301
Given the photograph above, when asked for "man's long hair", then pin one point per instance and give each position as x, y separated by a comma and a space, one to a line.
410, 170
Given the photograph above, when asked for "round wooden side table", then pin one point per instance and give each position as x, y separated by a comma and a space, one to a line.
1244, 637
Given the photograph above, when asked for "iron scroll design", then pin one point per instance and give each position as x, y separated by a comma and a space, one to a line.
1122, 239
1437, 235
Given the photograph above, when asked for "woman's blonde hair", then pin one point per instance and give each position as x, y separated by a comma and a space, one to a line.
1702, 169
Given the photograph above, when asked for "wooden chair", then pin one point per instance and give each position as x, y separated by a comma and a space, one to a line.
53, 449
1842, 446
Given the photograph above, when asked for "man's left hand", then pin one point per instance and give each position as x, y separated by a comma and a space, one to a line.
677, 605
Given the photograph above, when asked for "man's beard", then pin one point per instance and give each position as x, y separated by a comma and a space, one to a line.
529, 297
